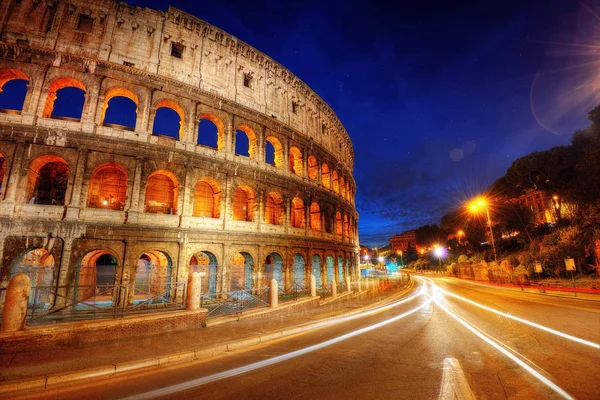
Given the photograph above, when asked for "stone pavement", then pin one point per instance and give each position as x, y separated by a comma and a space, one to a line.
58, 359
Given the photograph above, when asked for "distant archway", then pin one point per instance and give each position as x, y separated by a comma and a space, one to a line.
205, 262
243, 203
245, 141
161, 193
211, 132
120, 108
273, 151
297, 217
296, 161
13, 89
315, 269
315, 216
274, 269
241, 272
313, 168
330, 268
298, 270
47, 181
95, 277
274, 212
108, 187
207, 198
38, 265
169, 120
153, 277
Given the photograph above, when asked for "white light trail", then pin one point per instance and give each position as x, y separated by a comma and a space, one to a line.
274, 360
522, 364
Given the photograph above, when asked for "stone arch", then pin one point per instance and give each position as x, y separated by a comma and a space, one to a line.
244, 201
108, 187
119, 92
313, 168
206, 262
242, 265
277, 151
298, 269
251, 136
335, 182
165, 103
220, 131
338, 223
39, 265
325, 176
315, 216
316, 269
296, 164
298, 219
342, 187
340, 268
207, 198
47, 180
162, 193
329, 268
346, 226
55, 86
10, 75
273, 268
95, 276
274, 210
153, 277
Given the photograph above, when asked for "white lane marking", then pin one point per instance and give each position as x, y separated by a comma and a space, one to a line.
522, 320
274, 360
454, 383
501, 349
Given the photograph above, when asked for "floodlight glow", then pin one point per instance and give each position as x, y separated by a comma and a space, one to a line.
439, 252
381, 259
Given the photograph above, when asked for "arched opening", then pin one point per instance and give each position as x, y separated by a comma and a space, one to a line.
205, 262
315, 217
2, 169
348, 269
169, 120
346, 226
343, 187
66, 97
153, 277
274, 269
297, 217
325, 176
243, 204
38, 265
313, 168
273, 151
120, 108
338, 223
245, 141
241, 272
298, 269
161, 193
274, 213
296, 160
347, 190
13, 89
315, 269
108, 187
330, 268
207, 198
95, 278
47, 181
211, 132
335, 182
340, 272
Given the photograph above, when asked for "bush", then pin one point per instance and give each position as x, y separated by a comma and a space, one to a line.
463, 258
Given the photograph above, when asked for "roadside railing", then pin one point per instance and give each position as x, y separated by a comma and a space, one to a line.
324, 291
233, 303
293, 292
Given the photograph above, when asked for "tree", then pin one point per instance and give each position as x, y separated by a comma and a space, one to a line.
429, 235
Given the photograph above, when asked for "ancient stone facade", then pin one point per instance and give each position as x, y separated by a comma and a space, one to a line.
86, 202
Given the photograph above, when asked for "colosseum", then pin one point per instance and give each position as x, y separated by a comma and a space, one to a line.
138, 146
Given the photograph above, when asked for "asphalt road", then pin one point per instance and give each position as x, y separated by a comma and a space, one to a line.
434, 345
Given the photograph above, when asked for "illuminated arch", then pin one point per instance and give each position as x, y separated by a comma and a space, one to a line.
274, 211
315, 216
342, 187
220, 129
118, 92
205, 262
47, 180
55, 86
207, 198
95, 276
246, 130
297, 217
335, 181
346, 226
338, 223
313, 168
108, 187
273, 268
243, 203
326, 176
153, 275
277, 151
14, 97
162, 190
175, 107
7, 75
296, 160
241, 271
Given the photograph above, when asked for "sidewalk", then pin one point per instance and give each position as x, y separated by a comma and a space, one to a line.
59, 363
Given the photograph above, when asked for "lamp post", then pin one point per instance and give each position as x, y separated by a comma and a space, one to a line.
439, 252
400, 254
482, 203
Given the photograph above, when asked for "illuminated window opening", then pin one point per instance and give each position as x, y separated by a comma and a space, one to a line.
207, 199
313, 168
13, 89
169, 120
336, 185
325, 176
108, 188
65, 99
177, 49
51, 184
274, 212
315, 217
161, 194
243, 204
338, 223
245, 141
297, 217
85, 23
296, 161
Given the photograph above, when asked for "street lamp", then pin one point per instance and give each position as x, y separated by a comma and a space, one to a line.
460, 234
478, 204
439, 252
400, 254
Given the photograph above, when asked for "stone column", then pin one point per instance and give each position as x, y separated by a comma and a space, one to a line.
227, 202
274, 293
12, 183
313, 286
333, 288
75, 203
194, 290
63, 274
135, 205
15, 305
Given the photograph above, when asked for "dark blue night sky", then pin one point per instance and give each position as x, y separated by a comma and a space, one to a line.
438, 97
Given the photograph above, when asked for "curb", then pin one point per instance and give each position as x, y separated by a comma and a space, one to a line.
48, 381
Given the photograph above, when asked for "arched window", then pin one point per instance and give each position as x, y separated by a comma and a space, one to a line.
313, 168
274, 213
346, 226
273, 151
13, 89
207, 199
108, 187
243, 204
315, 217
296, 160
245, 141
336, 184
51, 184
169, 120
210, 132
161, 193
343, 187
120, 108
338, 223
297, 217
66, 97
325, 176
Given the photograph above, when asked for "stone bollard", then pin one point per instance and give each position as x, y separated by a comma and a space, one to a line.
194, 290
333, 288
15, 303
313, 286
348, 287
274, 293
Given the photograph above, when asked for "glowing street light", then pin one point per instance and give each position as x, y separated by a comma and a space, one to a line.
481, 203
399, 252
439, 252
381, 259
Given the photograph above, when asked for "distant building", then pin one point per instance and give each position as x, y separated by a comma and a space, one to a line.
541, 204
403, 241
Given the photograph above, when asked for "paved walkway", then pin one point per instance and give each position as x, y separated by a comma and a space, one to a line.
58, 359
